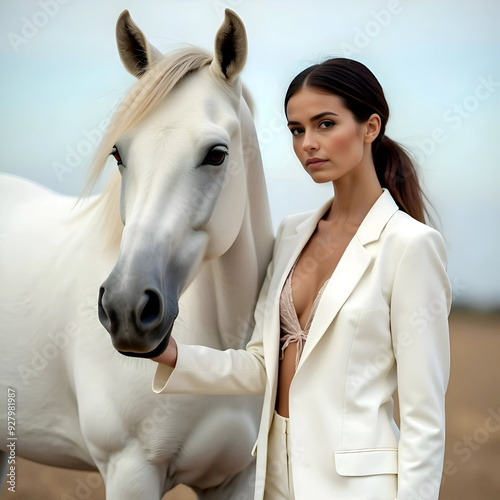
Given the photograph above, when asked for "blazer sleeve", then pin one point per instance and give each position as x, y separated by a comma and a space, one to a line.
205, 370
420, 305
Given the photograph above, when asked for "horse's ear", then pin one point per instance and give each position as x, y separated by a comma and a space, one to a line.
136, 53
230, 46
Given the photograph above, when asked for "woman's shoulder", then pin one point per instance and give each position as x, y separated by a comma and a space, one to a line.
407, 227
403, 231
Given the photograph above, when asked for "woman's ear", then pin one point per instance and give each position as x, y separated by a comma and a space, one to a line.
373, 125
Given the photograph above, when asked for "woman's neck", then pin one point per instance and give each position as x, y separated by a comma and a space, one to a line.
353, 198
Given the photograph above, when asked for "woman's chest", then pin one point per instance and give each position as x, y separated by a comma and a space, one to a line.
315, 266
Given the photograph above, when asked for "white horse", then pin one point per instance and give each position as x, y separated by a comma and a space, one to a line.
196, 242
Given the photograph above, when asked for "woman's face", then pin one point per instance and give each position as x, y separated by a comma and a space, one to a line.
327, 139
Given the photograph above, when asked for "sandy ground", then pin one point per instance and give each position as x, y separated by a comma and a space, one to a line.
472, 462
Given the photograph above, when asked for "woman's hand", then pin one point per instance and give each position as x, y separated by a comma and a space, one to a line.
169, 355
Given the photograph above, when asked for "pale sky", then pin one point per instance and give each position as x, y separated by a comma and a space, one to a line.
437, 62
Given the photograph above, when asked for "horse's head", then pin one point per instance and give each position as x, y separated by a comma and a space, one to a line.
183, 187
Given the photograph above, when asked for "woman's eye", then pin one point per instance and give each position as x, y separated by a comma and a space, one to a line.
215, 156
116, 155
326, 124
296, 131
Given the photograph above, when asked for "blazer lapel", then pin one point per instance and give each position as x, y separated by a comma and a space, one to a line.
291, 248
343, 281
349, 270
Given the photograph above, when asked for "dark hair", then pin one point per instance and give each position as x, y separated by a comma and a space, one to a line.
362, 94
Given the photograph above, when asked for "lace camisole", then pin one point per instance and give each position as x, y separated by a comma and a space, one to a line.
291, 331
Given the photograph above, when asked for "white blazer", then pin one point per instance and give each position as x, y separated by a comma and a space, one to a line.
381, 323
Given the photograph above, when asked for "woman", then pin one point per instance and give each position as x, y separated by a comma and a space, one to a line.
355, 304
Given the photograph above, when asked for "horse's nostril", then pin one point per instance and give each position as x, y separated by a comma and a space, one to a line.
107, 315
152, 313
102, 312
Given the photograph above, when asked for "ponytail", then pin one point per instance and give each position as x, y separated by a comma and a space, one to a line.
396, 172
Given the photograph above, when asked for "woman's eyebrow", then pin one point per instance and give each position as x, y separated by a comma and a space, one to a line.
315, 117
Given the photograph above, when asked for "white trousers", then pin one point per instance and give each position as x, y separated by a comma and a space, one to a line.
279, 485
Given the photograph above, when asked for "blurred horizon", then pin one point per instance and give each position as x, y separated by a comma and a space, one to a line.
438, 65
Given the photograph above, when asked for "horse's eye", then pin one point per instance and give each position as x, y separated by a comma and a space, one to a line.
215, 156
116, 155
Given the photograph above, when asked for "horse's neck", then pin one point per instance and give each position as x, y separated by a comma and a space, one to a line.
226, 289
258, 208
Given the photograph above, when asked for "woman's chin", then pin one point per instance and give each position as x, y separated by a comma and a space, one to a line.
321, 177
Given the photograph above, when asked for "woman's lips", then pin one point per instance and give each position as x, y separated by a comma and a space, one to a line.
315, 162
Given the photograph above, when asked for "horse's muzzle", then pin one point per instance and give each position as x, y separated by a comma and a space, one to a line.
138, 319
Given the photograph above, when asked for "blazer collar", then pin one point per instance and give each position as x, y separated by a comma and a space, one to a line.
377, 218
373, 223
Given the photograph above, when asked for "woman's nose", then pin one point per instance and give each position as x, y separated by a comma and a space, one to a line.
310, 143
